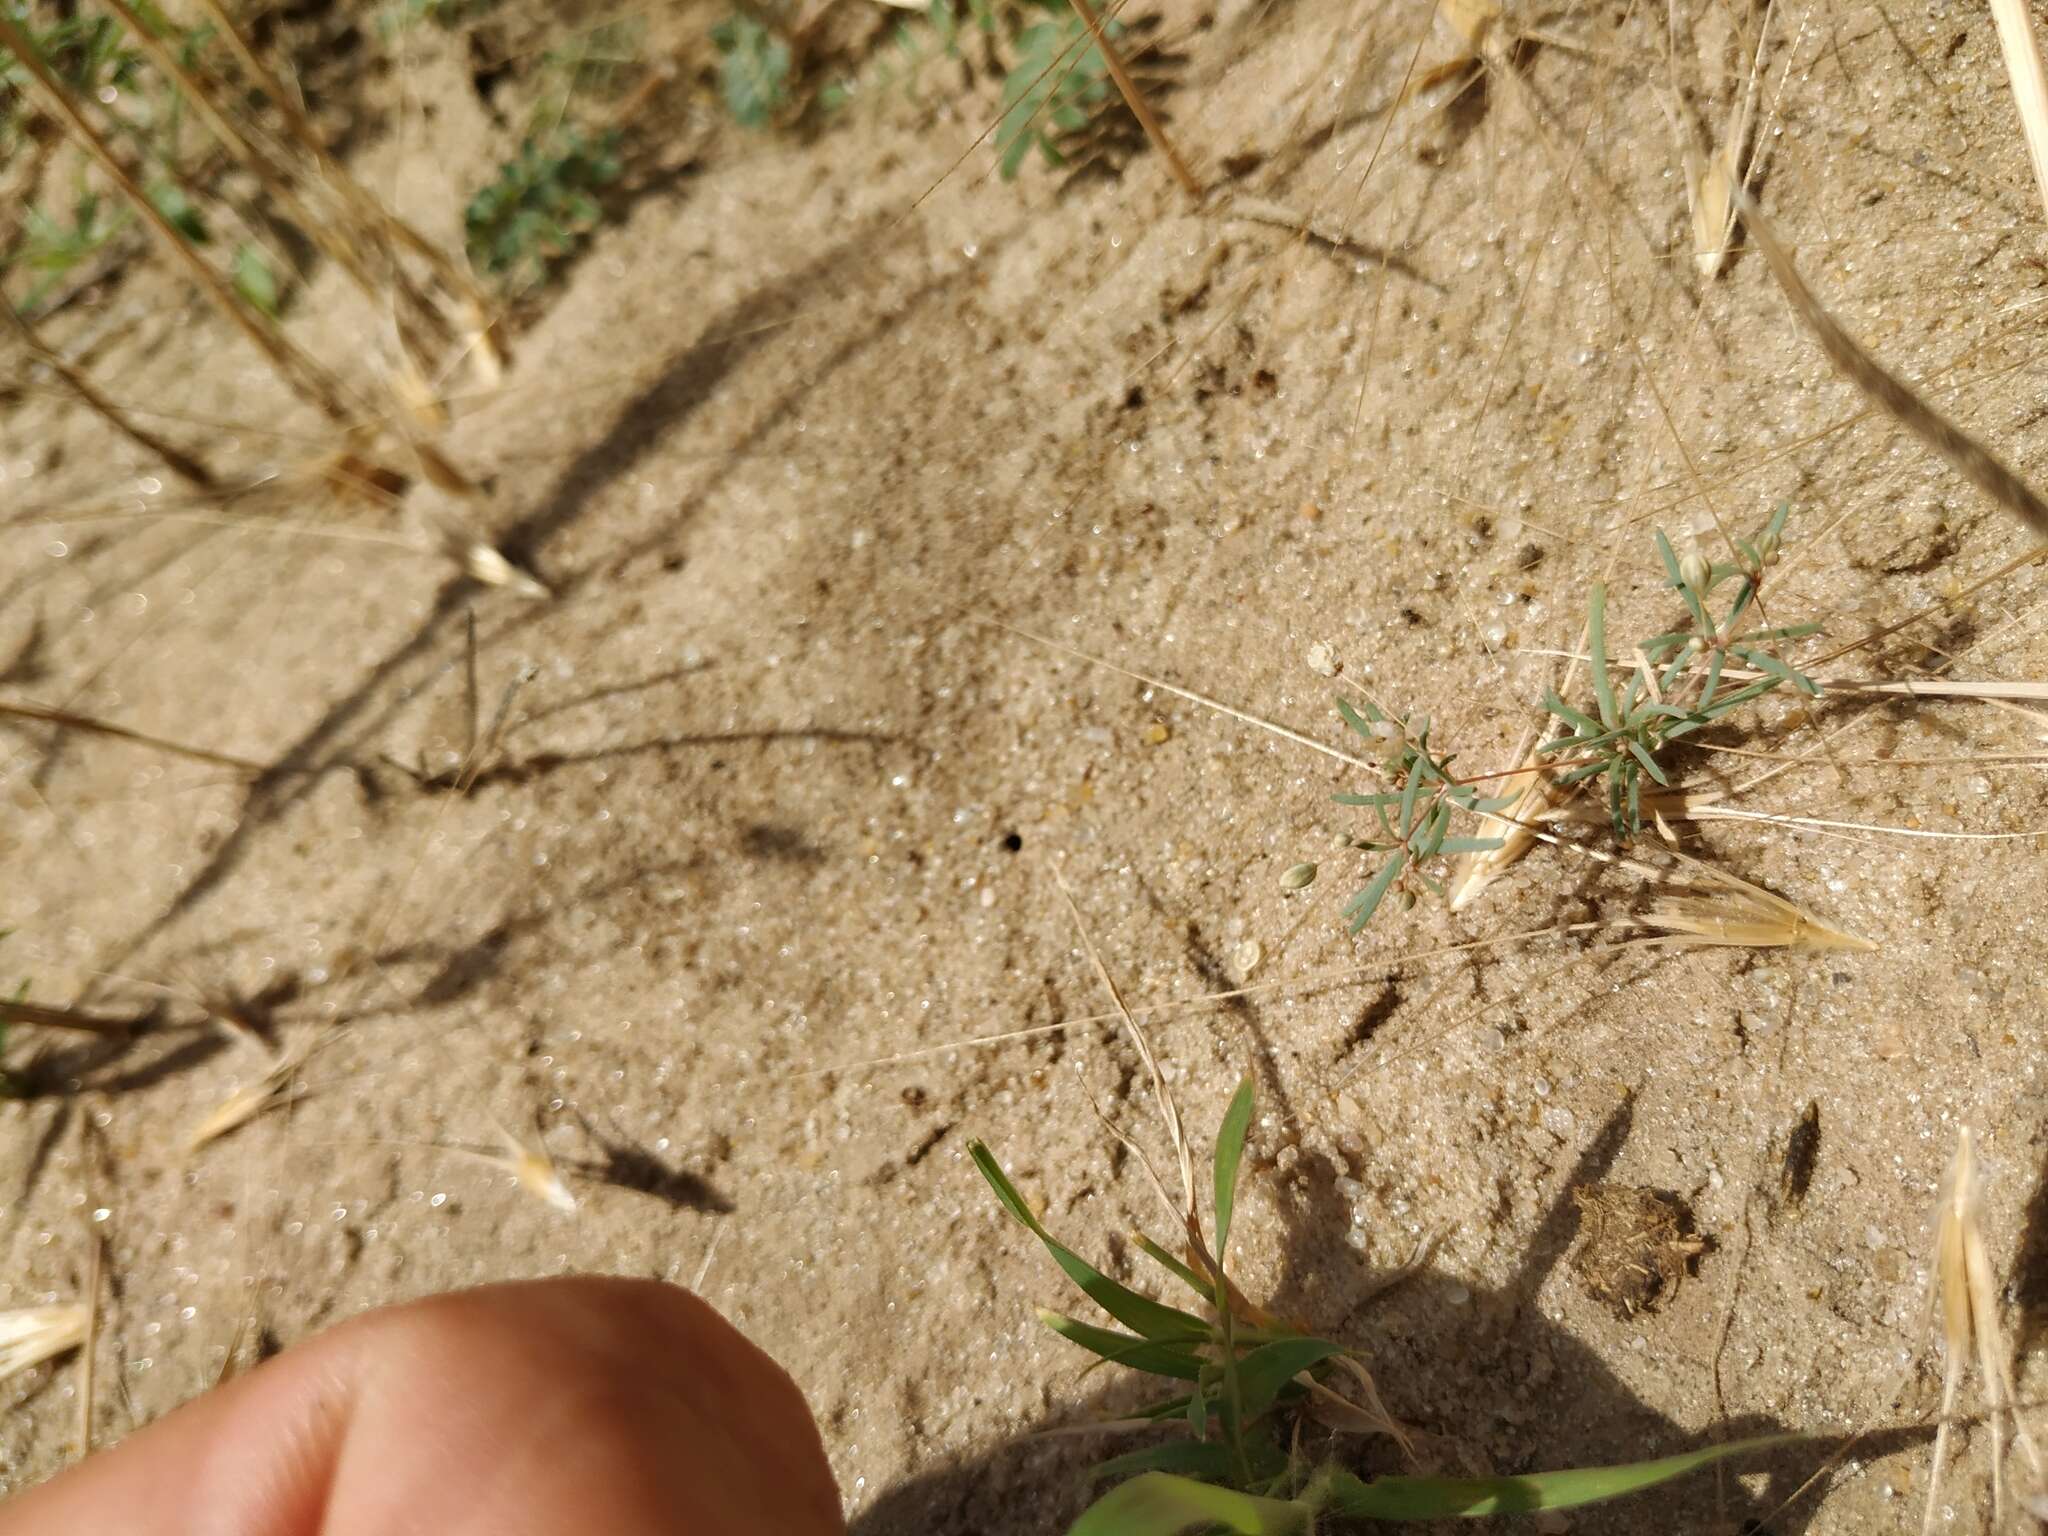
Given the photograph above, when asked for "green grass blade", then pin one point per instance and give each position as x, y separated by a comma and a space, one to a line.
1180, 1363
1764, 661
1157, 1504
1775, 528
1471, 844
1142, 1315
1784, 632
1201, 1459
1596, 640
1237, 1122
1409, 793
1435, 1498
1649, 763
1718, 660
1193, 1281
1670, 558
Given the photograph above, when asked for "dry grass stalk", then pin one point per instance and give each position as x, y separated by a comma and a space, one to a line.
2023, 68
303, 372
1711, 179
1965, 455
372, 216
1710, 188
1968, 1296
70, 721
1734, 913
487, 565
79, 1020
180, 463
327, 234
530, 1167
87, 1343
31, 1335
1134, 98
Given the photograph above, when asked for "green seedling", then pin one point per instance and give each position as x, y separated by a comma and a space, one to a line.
1243, 1383
1055, 89
1414, 816
1247, 1378
1674, 688
753, 68
542, 207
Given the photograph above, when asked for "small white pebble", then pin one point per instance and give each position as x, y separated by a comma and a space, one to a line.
1322, 660
1249, 954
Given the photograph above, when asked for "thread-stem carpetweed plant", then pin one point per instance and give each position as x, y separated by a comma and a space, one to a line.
1414, 816
1675, 686
1624, 733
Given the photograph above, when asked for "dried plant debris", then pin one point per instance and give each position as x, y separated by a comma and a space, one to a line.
1729, 911
1638, 1245
1530, 793
31, 1335
1802, 1154
1967, 1292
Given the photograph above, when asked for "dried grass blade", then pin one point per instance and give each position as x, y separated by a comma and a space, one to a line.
1169, 1110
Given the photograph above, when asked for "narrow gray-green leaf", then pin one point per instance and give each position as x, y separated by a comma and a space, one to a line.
1367, 901
1596, 639
1202, 1459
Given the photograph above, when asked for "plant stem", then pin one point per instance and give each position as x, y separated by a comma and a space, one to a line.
73, 722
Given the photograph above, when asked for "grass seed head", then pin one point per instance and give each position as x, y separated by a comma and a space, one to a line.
245, 1104
1733, 912
535, 1172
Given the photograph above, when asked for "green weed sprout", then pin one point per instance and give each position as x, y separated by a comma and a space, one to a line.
1415, 816
543, 205
1051, 92
754, 68
1242, 1375
1247, 1378
1675, 687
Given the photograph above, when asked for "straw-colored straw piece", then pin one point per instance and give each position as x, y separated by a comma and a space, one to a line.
31, 1335
2022, 50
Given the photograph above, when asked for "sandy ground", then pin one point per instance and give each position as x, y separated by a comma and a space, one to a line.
782, 801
